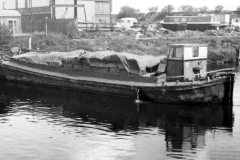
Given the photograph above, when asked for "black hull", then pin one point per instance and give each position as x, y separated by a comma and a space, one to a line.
193, 27
215, 91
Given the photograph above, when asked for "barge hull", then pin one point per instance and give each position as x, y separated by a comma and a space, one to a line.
214, 91
193, 27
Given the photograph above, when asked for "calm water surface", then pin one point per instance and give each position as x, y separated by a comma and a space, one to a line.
38, 123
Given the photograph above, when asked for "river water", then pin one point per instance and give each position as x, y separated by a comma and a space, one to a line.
39, 123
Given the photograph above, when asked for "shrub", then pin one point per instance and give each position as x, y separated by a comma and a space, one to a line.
72, 31
5, 34
220, 49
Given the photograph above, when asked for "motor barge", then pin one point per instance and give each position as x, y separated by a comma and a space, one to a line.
179, 79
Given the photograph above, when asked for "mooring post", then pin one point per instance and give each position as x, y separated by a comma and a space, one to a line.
232, 88
137, 100
46, 26
13, 26
30, 43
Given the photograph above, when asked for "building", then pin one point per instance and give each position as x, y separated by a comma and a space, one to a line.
11, 18
91, 11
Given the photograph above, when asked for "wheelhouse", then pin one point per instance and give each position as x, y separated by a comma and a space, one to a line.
187, 61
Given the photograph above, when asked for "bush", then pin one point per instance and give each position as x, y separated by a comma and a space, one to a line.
52, 42
5, 33
72, 31
220, 48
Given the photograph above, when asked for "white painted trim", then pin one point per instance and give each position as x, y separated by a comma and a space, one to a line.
195, 58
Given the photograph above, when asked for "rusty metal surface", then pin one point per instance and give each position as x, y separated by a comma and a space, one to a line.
213, 92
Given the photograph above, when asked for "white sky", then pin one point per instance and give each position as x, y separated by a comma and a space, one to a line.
143, 5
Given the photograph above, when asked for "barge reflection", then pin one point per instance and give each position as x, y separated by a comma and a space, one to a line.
184, 127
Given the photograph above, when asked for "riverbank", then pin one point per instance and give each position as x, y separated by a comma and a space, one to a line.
221, 48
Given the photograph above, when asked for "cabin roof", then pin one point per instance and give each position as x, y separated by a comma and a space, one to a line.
9, 13
189, 45
128, 18
187, 16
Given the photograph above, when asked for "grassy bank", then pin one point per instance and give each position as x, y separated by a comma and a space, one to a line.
220, 48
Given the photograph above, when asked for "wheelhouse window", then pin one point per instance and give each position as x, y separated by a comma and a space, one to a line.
167, 20
176, 52
176, 20
171, 52
184, 20
195, 51
102, 21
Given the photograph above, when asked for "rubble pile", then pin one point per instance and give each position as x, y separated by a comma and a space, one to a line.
151, 32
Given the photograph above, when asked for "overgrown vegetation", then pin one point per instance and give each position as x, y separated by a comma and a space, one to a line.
4, 34
221, 49
52, 42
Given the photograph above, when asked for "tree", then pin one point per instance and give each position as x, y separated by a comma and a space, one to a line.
167, 9
153, 9
140, 16
187, 10
137, 11
218, 9
127, 11
203, 9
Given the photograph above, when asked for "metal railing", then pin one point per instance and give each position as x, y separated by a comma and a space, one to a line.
198, 74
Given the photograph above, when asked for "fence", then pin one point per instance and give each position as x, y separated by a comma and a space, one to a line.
49, 25
95, 26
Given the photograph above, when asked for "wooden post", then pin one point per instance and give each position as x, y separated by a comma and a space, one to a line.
52, 28
46, 28
46, 25
85, 16
32, 25
110, 14
16, 4
228, 95
75, 10
53, 11
13, 26
232, 88
62, 28
26, 3
30, 43
3, 5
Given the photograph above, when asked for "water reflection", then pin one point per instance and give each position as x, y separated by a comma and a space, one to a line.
183, 127
4, 102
